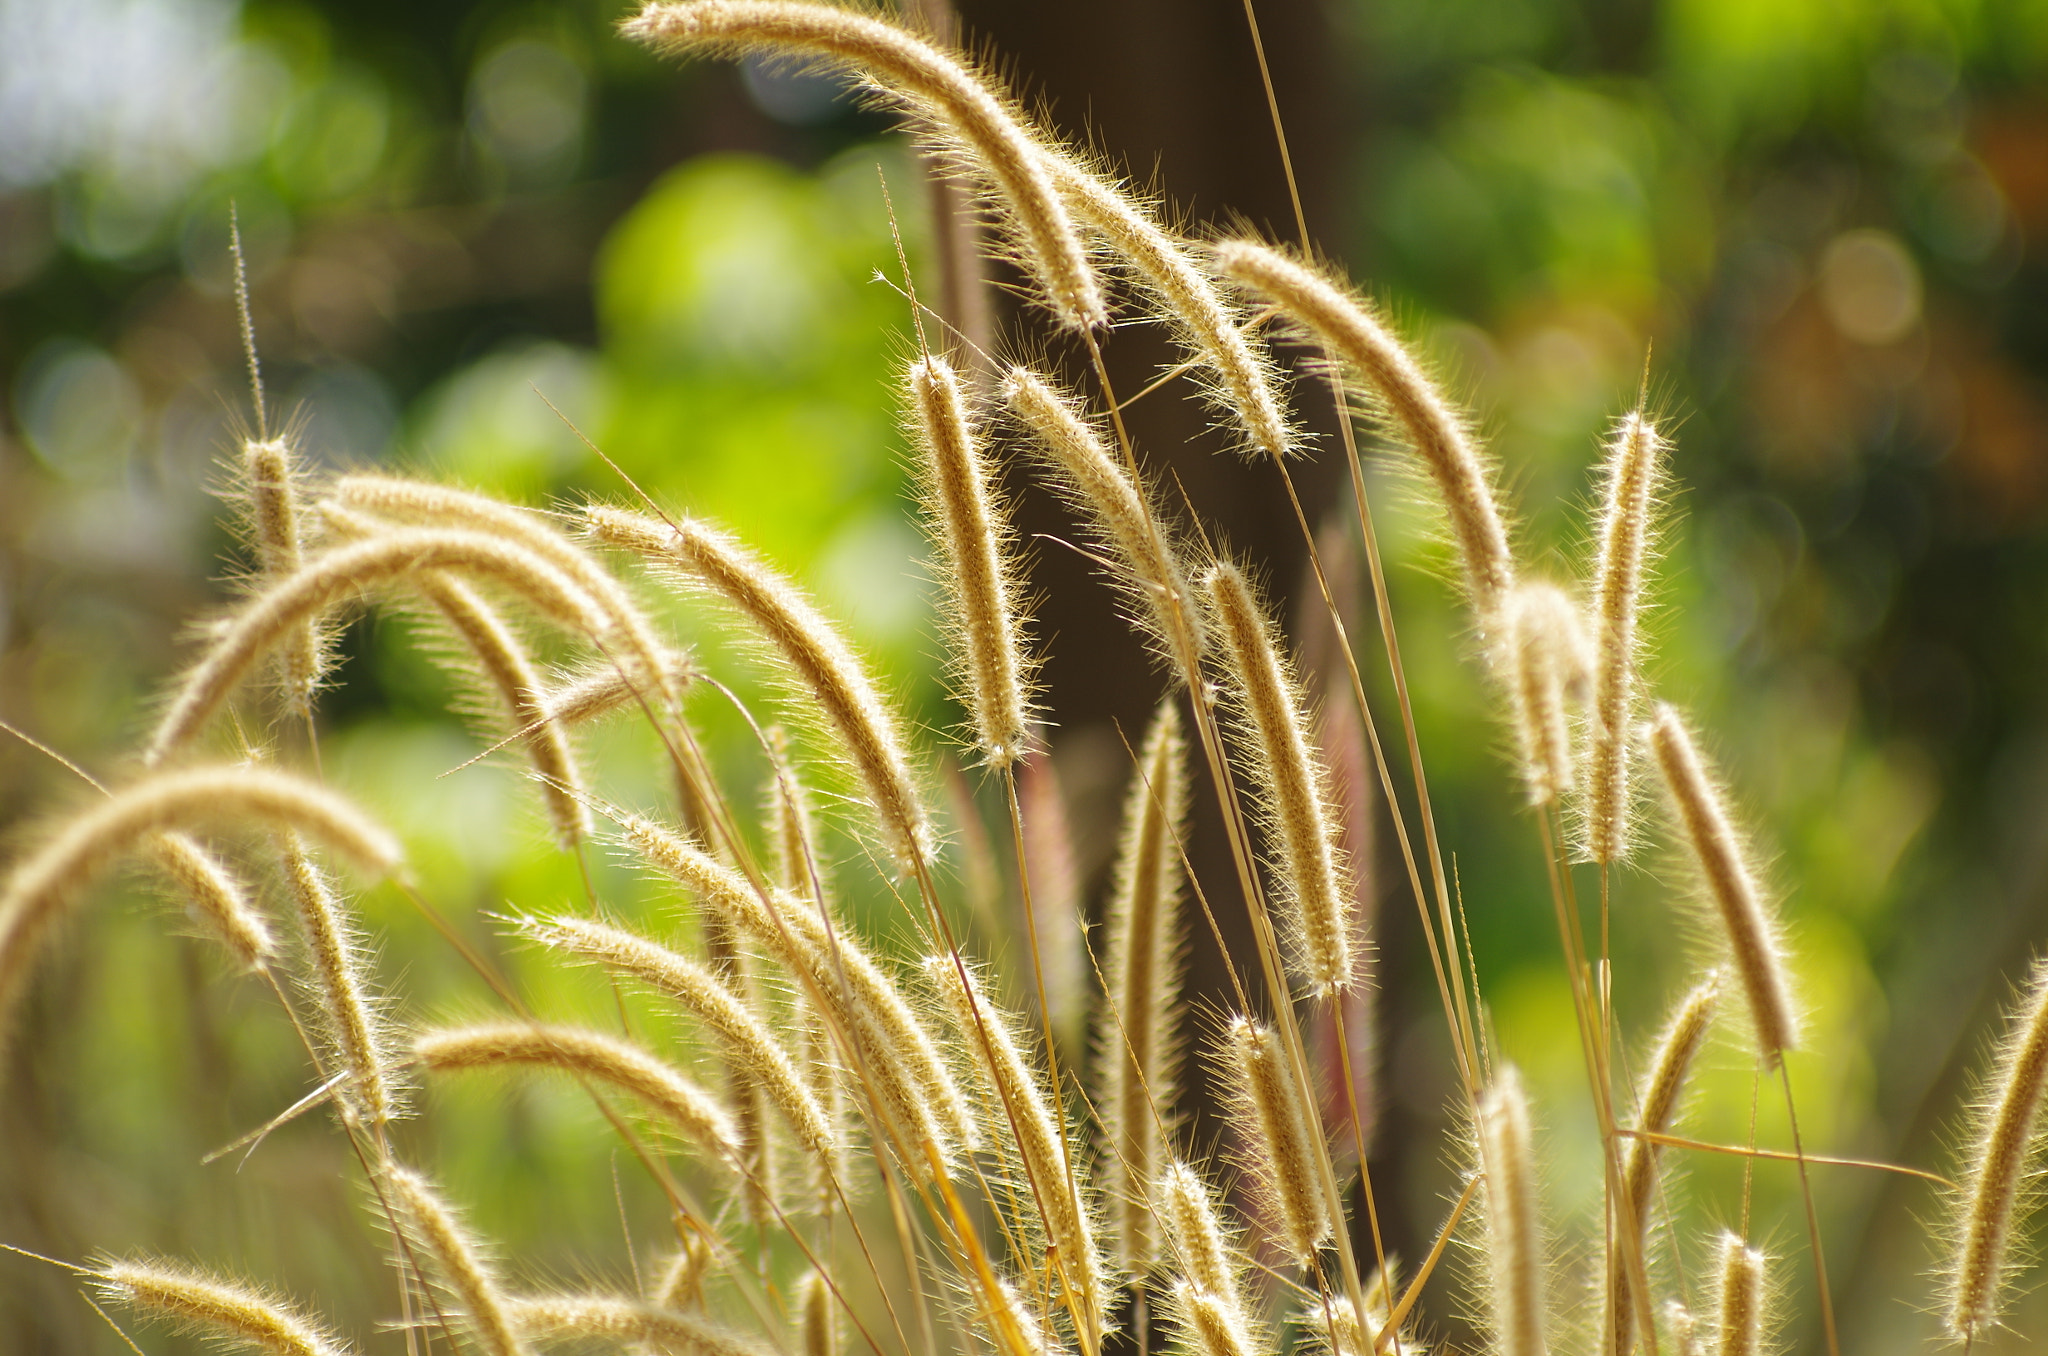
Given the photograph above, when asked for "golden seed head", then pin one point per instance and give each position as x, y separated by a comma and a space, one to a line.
1315, 887
1754, 951
1739, 1299
214, 1308
937, 84
1514, 1243
974, 534
1634, 463
1283, 1150
1547, 667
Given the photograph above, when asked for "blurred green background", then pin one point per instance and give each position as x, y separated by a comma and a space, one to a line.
1821, 223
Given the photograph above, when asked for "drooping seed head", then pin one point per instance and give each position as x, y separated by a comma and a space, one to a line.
1633, 469
824, 666
215, 899
329, 580
351, 1030
1207, 326
751, 1049
215, 1309
1281, 1146
456, 1259
42, 885
971, 528
1057, 1185
614, 1319
587, 1054
937, 84
1754, 951
1988, 1208
1144, 560
1347, 327
1315, 888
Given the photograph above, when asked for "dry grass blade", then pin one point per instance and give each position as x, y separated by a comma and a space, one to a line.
938, 83
40, 887
215, 1309
824, 665
589, 1054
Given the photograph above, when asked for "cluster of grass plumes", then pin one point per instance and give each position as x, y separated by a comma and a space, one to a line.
970, 1180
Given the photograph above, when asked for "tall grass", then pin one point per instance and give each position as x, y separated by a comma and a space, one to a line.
969, 1180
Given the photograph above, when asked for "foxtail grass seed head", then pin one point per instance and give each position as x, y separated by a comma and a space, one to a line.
824, 665
1514, 1243
498, 652
1657, 1106
1754, 951
641, 660
271, 478
753, 1052
1633, 470
938, 84
586, 1054
1739, 1299
1145, 561
268, 617
1986, 1210
897, 1056
220, 1310
1282, 1146
1202, 1251
457, 1261
1245, 381
1209, 1324
1347, 327
613, 1319
1316, 891
817, 1316
1547, 662
352, 1029
1137, 1036
596, 693
44, 883
1684, 1328
991, 666
215, 899
1057, 1183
